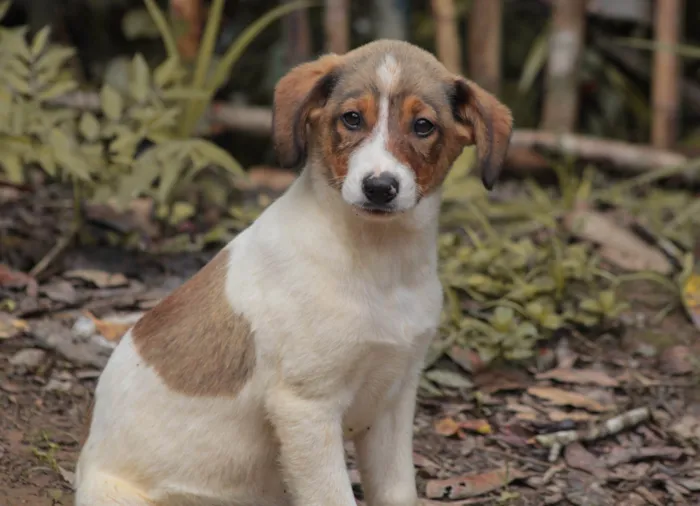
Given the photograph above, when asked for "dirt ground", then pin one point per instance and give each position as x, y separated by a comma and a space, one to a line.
480, 437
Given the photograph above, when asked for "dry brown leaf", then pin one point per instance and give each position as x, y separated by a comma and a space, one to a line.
563, 398
9, 327
574, 416
447, 426
424, 462
101, 279
192, 13
480, 426
580, 377
676, 360
110, 330
9, 278
578, 457
467, 359
465, 486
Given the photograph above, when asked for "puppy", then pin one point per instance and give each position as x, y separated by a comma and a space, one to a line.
311, 326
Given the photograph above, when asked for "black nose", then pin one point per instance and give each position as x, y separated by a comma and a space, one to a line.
381, 189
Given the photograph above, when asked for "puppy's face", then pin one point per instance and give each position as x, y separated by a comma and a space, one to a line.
384, 123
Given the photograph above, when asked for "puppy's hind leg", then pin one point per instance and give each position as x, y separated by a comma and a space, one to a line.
100, 489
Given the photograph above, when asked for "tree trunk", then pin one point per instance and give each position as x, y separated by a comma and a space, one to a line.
485, 34
665, 81
297, 33
390, 19
566, 45
337, 26
447, 38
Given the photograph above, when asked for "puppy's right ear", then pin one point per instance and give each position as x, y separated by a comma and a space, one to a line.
302, 90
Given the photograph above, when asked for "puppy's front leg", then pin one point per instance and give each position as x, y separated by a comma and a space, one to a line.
312, 452
385, 452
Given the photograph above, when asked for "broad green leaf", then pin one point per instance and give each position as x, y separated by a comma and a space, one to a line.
67, 156
40, 40
18, 67
112, 103
89, 126
167, 72
4, 7
219, 157
15, 43
12, 165
47, 160
58, 89
18, 83
163, 27
140, 82
53, 59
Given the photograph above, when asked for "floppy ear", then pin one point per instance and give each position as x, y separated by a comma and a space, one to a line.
486, 122
302, 90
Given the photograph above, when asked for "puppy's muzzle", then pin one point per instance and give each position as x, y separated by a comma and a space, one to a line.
380, 190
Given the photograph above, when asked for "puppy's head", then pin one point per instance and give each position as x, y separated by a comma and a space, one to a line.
385, 123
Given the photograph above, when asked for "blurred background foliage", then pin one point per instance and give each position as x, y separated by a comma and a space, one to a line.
112, 97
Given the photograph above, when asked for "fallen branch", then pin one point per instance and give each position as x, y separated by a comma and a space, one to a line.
630, 158
557, 440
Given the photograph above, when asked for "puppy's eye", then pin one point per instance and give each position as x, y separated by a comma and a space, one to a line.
352, 120
422, 127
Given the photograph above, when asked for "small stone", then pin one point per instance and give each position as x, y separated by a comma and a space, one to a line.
31, 358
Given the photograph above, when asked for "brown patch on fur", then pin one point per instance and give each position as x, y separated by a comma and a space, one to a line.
487, 123
296, 96
338, 141
194, 340
429, 157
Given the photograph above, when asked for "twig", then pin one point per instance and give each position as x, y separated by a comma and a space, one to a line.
631, 158
557, 440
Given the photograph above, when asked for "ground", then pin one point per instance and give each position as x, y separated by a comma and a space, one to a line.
481, 435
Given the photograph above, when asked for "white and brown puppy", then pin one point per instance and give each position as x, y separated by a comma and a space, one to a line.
311, 326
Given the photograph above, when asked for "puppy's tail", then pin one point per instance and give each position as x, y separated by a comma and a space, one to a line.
101, 489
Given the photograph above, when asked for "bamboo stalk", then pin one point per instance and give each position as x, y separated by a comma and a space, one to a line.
665, 80
446, 38
337, 26
566, 45
485, 36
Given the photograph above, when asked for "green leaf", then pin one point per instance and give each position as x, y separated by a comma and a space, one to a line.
4, 7
47, 161
590, 305
58, 89
67, 156
163, 27
502, 318
89, 126
40, 40
219, 157
13, 168
53, 59
112, 103
168, 72
140, 82
17, 83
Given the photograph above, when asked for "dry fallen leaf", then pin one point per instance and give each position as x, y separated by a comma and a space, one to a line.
580, 377
447, 426
101, 279
676, 360
9, 327
465, 486
563, 398
574, 416
577, 457
10, 278
480, 426
110, 330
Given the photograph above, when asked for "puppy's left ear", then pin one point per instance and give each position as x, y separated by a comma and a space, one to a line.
486, 122
298, 94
